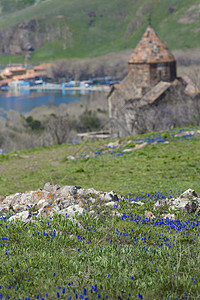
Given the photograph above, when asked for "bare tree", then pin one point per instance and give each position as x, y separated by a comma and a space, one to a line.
60, 129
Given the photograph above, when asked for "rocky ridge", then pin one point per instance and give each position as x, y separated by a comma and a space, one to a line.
71, 201
67, 201
28, 36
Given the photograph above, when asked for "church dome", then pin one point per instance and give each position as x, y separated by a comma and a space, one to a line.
151, 49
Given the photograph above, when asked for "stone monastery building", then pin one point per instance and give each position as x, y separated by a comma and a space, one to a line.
151, 61
151, 97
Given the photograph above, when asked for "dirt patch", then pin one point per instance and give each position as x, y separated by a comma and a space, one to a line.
191, 15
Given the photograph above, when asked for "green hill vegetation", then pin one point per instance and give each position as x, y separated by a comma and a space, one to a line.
77, 29
158, 166
105, 257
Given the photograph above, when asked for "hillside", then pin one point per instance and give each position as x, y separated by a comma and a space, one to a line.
153, 161
83, 240
57, 29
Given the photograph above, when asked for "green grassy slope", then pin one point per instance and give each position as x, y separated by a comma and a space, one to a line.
174, 165
100, 27
130, 257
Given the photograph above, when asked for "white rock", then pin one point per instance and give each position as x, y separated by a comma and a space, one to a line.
72, 210
138, 203
42, 203
113, 144
188, 193
24, 215
8, 199
92, 200
65, 191
26, 197
157, 204
117, 214
106, 197
54, 209
4, 208
168, 216
112, 203
71, 157
128, 150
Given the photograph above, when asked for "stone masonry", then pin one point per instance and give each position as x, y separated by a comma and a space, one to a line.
151, 92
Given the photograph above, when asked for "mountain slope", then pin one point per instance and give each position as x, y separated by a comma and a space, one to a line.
56, 29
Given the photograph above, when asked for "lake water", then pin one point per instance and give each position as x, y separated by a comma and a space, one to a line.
24, 101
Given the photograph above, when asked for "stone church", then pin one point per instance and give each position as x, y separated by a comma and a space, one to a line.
151, 97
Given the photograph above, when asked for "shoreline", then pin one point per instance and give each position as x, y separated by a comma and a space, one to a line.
54, 86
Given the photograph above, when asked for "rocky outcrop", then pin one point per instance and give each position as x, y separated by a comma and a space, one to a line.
71, 201
188, 201
66, 201
27, 36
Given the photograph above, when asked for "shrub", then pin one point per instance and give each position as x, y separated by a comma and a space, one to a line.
89, 121
34, 124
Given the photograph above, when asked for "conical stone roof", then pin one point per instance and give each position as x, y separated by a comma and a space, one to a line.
151, 49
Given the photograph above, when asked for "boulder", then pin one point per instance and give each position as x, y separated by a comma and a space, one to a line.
187, 201
168, 216
71, 211
137, 203
112, 203
24, 215
114, 144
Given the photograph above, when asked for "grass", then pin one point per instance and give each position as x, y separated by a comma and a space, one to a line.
104, 256
156, 167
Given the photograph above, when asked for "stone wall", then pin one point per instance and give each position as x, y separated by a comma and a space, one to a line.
162, 71
148, 75
170, 109
141, 74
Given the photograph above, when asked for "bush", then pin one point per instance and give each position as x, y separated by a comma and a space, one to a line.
34, 124
89, 121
